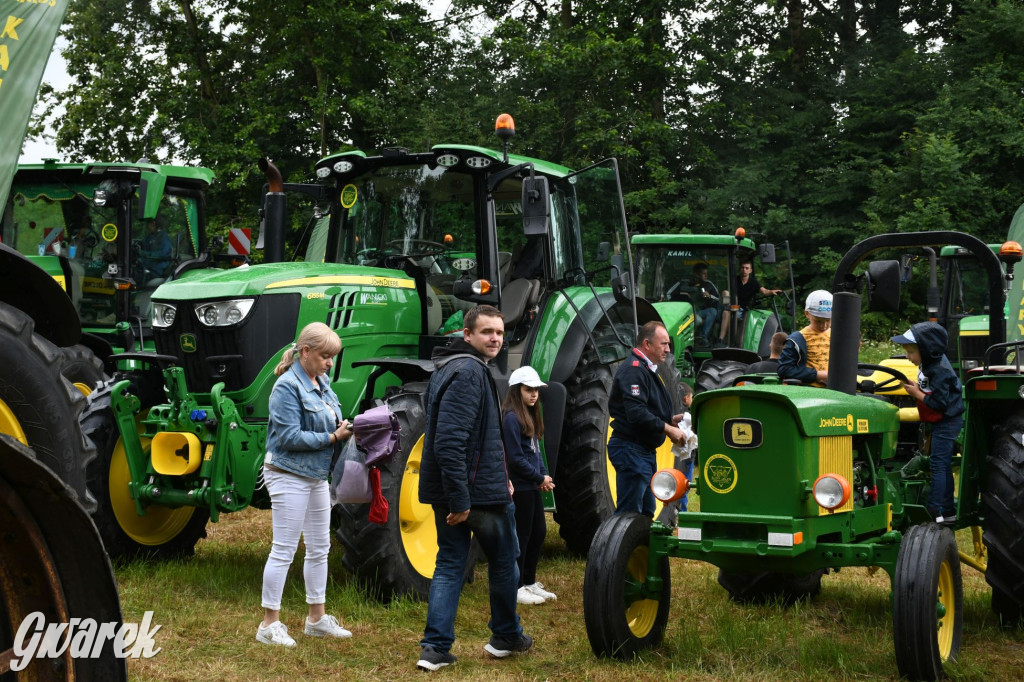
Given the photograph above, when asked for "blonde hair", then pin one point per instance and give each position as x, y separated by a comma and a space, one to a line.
316, 336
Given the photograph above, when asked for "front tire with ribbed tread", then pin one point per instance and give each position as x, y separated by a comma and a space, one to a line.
1003, 499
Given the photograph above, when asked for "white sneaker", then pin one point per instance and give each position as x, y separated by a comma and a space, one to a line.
527, 596
327, 626
275, 633
538, 589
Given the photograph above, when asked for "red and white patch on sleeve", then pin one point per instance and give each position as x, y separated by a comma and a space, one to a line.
635, 389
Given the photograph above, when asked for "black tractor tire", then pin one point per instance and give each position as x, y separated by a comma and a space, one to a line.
928, 602
583, 495
396, 558
82, 368
163, 533
1003, 499
769, 586
38, 406
718, 374
620, 620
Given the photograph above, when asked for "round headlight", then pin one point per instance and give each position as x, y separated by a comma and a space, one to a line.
831, 491
168, 315
668, 485
234, 315
323, 172
210, 315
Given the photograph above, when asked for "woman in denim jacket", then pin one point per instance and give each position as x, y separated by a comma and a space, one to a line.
305, 424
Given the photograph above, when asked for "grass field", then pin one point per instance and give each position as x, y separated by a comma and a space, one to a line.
209, 609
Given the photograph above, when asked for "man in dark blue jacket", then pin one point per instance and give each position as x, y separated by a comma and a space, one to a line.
464, 478
641, 409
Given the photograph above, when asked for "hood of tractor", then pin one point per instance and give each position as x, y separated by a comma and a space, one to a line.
762, 447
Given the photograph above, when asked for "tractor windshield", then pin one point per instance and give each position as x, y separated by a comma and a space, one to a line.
677, 272
44, 221
968, 287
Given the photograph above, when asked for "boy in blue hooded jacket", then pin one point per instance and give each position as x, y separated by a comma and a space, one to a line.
939, 396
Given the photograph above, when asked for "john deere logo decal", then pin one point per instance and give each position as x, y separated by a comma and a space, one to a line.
720, 473
188, 343
109, 232
743, 434
832, 422
349, 194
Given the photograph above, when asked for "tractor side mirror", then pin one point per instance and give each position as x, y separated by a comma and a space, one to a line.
604, 250
766, 252
622, 288
536, 205
617, 262
883, 286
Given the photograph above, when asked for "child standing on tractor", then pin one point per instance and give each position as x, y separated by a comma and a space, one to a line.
940, 402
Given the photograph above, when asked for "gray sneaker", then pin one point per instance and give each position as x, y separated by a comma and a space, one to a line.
431, 659
503, 648
327, 626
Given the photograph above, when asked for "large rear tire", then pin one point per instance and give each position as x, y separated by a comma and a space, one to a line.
1003, 499
621, 616
769, 586
718, 374
38, 407
82, 368
583, 495
396, 558
163, 533
928, 602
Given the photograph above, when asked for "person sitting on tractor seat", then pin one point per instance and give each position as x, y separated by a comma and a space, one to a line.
708, 302
155, 249
770, 365
804, 356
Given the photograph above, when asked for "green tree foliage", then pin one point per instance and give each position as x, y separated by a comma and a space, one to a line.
813, 121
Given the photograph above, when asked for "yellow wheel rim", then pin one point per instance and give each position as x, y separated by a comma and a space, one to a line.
160, 525
10, 425
945, 608
665, 460
415, 519
640, 614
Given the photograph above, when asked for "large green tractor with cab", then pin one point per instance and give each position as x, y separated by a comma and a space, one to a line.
109, 234
401, 245
797, 481
665, 275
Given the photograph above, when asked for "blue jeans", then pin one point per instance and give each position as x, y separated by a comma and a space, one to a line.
496, 533
688, 471
706, 319
634, 465
940, 497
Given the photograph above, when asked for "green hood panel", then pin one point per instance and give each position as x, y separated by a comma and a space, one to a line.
817, 411
253, 280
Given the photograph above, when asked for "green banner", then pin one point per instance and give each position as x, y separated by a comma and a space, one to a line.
28, 29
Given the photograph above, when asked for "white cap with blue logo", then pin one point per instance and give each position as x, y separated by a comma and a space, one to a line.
819, 304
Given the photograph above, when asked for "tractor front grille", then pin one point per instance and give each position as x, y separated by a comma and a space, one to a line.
233, 355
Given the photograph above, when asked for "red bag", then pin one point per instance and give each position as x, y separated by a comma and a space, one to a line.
379, 505
927, 414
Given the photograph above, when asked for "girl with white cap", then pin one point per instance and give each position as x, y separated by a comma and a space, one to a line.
522, 428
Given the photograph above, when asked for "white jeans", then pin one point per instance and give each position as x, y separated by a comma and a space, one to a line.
301, 506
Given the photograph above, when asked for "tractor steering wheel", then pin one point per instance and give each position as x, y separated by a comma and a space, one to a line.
895, 376
423, 247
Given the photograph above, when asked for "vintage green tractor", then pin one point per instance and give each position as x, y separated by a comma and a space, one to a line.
796, 481
665, 276
88, 226
402, 244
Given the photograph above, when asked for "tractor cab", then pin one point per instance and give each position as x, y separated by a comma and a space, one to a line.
110, 234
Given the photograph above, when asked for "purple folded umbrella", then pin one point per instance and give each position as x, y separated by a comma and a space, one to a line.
377, 433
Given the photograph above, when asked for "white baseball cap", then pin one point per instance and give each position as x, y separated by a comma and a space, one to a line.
819, 304
527, 376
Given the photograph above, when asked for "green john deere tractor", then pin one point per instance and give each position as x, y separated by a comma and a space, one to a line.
665, 267
109, 234
401, 245
796, 481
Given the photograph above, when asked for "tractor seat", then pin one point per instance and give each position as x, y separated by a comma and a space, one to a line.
517, 298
